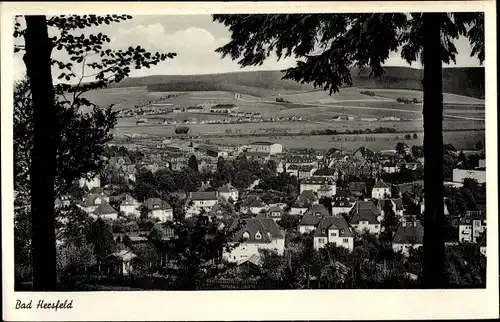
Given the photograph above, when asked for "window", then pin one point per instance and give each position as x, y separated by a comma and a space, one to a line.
323, 231
342, 231
376, 226
333, 234
345, 240
258, 236
243, 256
246, 235
321, 241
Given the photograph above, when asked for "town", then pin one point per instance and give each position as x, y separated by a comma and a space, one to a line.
366, 205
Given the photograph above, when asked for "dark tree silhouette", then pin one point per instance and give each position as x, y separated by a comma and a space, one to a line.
193, 163
109, 66
366, 40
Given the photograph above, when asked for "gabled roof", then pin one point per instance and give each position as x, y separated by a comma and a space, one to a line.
90, 199
325, 172
156, 203
333, 222
129, 200
275, 209
413, 232
227, 188
253, 201
267, 227
105, 209
365, 152
204, 195
318, 210
310, 220
381, 184
364, 211
341, 202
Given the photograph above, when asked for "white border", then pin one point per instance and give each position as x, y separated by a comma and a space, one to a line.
252, 305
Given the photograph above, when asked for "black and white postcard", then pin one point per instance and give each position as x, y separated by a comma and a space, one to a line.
249, 161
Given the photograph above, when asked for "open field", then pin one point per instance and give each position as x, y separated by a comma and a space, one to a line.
461, 140
124, 98
410, 94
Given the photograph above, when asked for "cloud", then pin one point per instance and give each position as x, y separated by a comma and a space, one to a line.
195, 43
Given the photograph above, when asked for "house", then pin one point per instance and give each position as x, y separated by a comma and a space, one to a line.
363, 154
201, 201
122, 262
409, 234
316, 183
159, 209
105, 211
255, 234
365, 215
130, 206
90, 183
381, 190
325, 192
459, 175
342, 205
357, 189
304, 201
299, 160
335, 230
229, 192
325, 172
482, 244
472, 226
253, 204
305, 171
92, 201
275, 213
62, 201
312, 217
308, 223
390, 167
267, 147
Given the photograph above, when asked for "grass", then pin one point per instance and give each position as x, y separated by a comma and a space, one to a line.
461, 140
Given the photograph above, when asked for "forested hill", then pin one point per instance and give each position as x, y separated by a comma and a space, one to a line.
467, 81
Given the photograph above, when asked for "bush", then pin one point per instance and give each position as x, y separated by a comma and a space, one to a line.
181, 130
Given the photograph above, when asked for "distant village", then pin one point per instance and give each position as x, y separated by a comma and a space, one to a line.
336, 195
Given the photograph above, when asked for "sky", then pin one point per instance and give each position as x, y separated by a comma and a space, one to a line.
194, 38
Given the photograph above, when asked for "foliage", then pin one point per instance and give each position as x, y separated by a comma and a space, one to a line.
181, 130
289, 222
193, 163
101, 237
72, 258
196, 249
368, 41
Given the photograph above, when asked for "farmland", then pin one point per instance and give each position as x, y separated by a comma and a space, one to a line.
316, 108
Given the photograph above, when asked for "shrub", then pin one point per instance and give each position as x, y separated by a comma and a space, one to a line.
181, 130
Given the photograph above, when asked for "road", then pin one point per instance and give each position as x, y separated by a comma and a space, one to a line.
363, 108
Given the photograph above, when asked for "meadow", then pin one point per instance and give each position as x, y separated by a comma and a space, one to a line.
461, 140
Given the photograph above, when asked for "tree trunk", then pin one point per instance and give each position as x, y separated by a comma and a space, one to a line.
434, 256
38, 68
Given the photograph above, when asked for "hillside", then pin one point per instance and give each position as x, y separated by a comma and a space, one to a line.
461, 81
